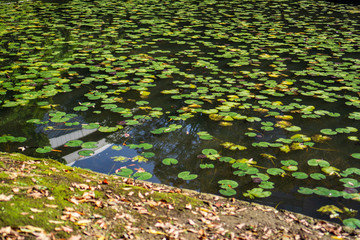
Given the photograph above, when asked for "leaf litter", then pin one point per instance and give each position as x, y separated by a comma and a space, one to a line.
120, 208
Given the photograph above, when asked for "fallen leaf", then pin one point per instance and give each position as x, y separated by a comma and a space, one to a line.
67, 229
83, 222
51, 205
75, 237
105, 181
5, 198
35, 210
31, 229
155, 232
56, 222
5, 230
191, 222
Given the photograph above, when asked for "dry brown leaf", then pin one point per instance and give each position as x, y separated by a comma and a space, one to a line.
51, 205
67, 229
16, 190
155, 232
191, 222
74, 201
35, 210
56, 222
5, 230
75, 237
5, 198
31, 229
240, 226
83, 222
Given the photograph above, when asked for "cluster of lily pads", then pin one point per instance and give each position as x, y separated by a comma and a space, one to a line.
266, 90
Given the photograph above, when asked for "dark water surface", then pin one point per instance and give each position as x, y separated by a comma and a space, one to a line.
237, 87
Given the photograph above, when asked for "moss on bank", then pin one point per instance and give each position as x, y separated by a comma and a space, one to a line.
41, 198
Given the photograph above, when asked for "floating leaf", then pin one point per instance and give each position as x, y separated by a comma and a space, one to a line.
107, 129
266, 185
89, 145
212, 154
328, 131
317, 176
228, 183
125, 172
142, 175
300, 175
275, 171
91, 126
352, 222
169, 161
227, 192
86, 153
140, 158
206, 165
205, 135
330, 170
120, 159
350, 182
148, 154
117, 147
356, 155
257, 193
45, 149
305, 190
187, 176
318, 162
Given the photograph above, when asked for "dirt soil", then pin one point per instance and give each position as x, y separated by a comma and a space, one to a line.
43, 199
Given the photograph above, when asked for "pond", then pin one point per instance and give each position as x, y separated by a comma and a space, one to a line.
256, 100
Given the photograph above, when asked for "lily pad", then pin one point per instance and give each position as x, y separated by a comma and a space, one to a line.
352, 222
142, 176
86, 153
45, 149
186, 175
169, 161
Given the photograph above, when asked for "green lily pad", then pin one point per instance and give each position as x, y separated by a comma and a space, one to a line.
125, 172
266, 185
300, 175
74, 143
317, 176
328, 131
352, 222
89, 145
257, 193
305, 190
45, 149
228, 183
206, 165
227, 192
350, 182
169, 161
205, 135
275, 171
86, 153
90, 126
187, 176
142, 176
318, 162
